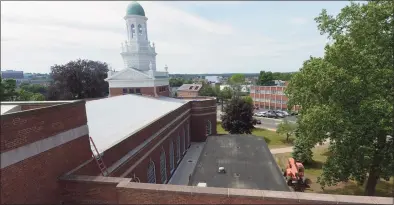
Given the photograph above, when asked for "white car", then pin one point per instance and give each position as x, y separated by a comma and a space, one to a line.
260, 114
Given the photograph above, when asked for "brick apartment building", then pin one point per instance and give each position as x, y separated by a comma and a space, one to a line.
271, 97
189, 90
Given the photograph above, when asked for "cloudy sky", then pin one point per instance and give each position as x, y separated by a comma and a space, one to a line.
190, 37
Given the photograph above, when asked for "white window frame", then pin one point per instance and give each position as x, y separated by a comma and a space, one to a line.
163, 171
151, 166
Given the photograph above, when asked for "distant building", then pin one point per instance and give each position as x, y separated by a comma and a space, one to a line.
212, 79
13, 74
271, 97
244, 88
189, 90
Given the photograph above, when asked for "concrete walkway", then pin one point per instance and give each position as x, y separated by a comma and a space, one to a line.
290, 149
187, 164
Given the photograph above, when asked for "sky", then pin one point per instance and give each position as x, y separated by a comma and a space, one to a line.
190, 37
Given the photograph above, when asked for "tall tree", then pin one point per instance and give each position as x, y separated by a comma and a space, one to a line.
287, 128
236, 82
238, 116
266, 78
78, 79
347, 96
8, 90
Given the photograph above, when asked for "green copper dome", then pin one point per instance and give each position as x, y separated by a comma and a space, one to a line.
134, 8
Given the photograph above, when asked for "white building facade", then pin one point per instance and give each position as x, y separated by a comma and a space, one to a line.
139, 75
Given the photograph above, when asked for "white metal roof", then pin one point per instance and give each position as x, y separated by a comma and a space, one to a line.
113, 119
7, 108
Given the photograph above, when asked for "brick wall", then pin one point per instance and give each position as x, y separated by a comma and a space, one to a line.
202, 111
34, 179
18, 129
139, 193
187, 93
90, 190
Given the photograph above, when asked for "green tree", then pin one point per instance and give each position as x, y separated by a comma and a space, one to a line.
24, 95
347, 96
287, 128
34, 88
8, 90
248, 99
238, 117
78, 80
207, 90
266, 78
236, 81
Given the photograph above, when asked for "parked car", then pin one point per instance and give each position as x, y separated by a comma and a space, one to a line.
284, 113
256, 121
271, 114
279, 114
259, 114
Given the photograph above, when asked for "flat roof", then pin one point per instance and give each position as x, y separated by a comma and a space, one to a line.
247, 160
6, 108
113, 119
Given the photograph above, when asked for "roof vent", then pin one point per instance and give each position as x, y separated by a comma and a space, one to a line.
200, 184
221, 170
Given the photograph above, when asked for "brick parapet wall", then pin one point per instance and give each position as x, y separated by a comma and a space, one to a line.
127, 192
25, 127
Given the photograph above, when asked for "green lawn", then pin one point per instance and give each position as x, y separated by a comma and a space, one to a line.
273, 139
314, 170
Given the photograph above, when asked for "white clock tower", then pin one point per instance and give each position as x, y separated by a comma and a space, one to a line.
139, 56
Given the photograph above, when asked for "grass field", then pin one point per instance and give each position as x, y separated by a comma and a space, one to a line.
273, 139
314, 170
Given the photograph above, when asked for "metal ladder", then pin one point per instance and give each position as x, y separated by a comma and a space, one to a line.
96, 155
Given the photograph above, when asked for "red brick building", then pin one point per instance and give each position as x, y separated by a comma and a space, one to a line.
46, 155
189, 90
271, 97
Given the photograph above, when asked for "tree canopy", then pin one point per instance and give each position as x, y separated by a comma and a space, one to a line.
238, 116
347, 96
287, 128
267, 78
78, 80
177, 82
10, 92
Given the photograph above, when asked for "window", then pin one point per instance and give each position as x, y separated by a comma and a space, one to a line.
132, 30
151, 172
184, 141
208, 128
138, 90
131, 90
172, 156
124, 91
163, 168
139, 29
178, 149
188, 134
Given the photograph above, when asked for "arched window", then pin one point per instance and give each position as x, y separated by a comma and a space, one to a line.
208, 127
151, 172
188, 135
178, 149
139, 29
146, 32
172, 156
184, 141
163, 168
132, 30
